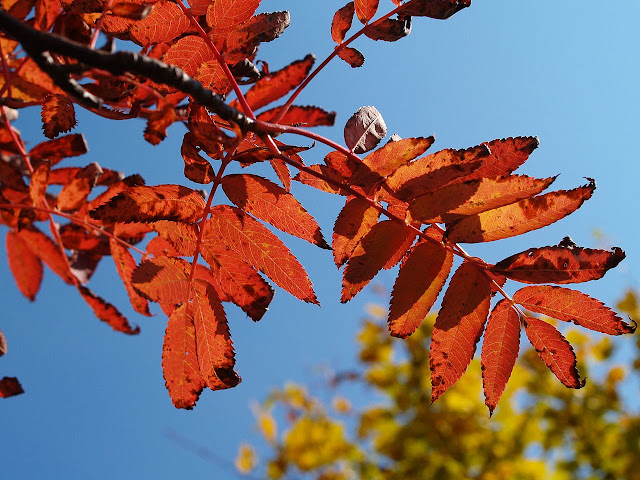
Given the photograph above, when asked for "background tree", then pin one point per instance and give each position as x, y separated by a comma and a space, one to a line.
541, 430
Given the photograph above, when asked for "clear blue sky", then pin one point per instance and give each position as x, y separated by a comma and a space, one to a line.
96, 406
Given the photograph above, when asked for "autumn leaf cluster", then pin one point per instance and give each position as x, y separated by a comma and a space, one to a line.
188, 252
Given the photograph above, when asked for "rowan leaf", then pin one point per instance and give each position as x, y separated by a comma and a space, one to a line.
76, 237
458, 327
58, 149
107, 312
342, 21
434, 171
559, 264
364, 130
352, 56
125, 265
25, 266
454, 201
316, 182
211, 75
58, 115
165, 23
163, 279
439, 9
422, 275
518, 218
303, 116
223, 16
188, 53
44, 248
9, 387
271, 203
355, 220
382, 247
147, 204
389, 29
554, 350
366, 9
158, 122
39, 183
196, 168
277, 84
387, 159
572, 306
231, 228
282, 171
74, 194
505, 156
182, 236
180, 365
499, 351
265, 27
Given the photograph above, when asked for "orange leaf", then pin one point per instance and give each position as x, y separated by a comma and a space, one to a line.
188, 53
572, 306
158, 122
306, 116
10, 386
39, 183
382, 247
366, 9
165, 22
125, 265
223, 16
211, 75
559, 264
273, 204
74, 194
458, 327
115, 189
179, 360
499, 351
440, 9
387, 159
506, 155
518, 218
182, 236
231, 228
423, 273
159, 247
341, 23
281, 169
44, 248
456, 200
276, 85
163, 279
58, 115
352, 56
55, 150
434, 171
107, 312
196, 168
554, 350
355, 220
315, 182
213, 341
24, 264
147, 204
76, 237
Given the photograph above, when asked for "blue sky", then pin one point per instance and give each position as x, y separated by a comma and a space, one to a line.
96, 405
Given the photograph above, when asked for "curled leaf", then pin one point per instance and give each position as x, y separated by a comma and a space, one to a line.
364, 130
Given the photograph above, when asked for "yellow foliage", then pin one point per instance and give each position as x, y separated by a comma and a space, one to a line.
246, 460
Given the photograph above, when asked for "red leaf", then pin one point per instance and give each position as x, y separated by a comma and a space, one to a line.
211, 75
223, 16
458, 327
499, 351
182, 236
55, 150
44, 248
352, 56
440, 9
165, 23
265, 27
39, 183
315, 182
389, 29
125, 265
366, 9
74, 194
559, 264
506, 155
518, 218
382, 247
423, 273
158, 122
306, 116
58, 115
188, 53
276, 85
572, 306
75, 237
281, 169
196, 168
9, 387
554, 350
231, 228
273, 204
454, 201
342, 21
355, 220
163, 279
159, 247
107, 312
146, 204
179, 360
24, 264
